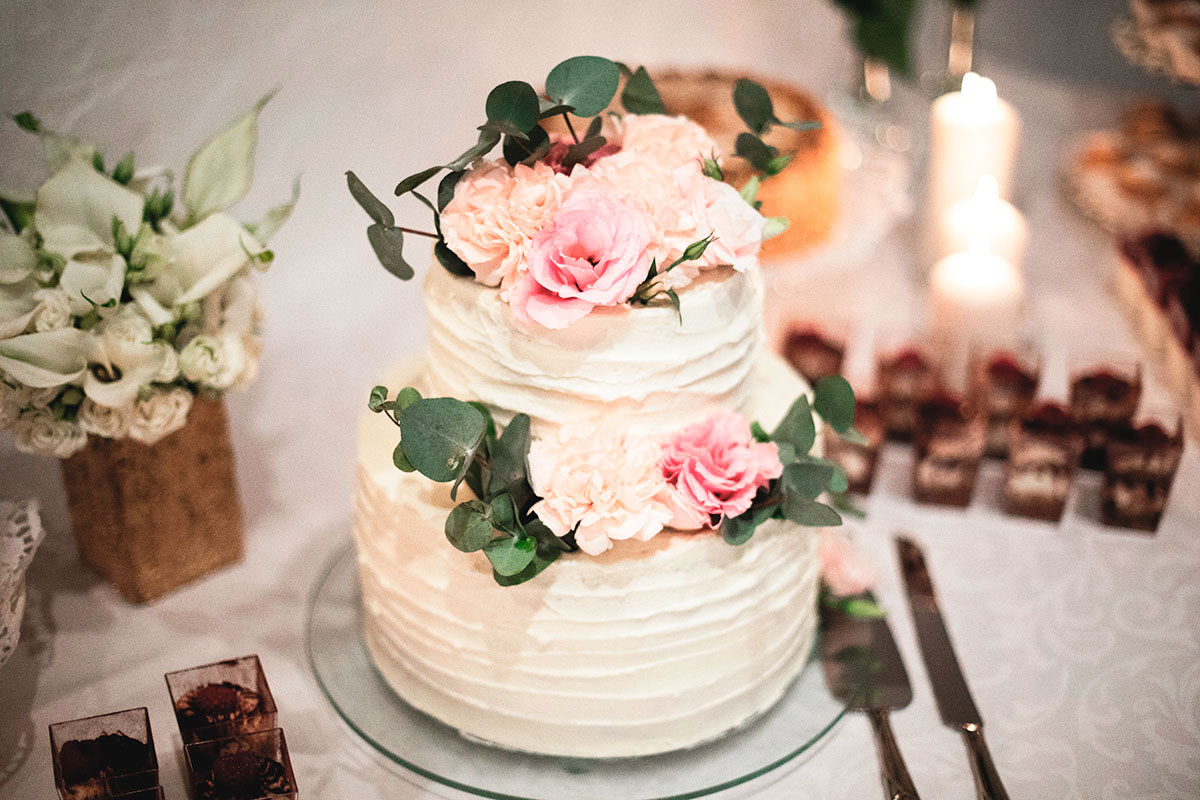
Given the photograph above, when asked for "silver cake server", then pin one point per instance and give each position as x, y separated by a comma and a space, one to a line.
949, 686
863, 669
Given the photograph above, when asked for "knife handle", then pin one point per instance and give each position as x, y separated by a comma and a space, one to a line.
897, 784
987, 780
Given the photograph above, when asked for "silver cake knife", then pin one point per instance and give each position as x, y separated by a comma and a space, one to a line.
949, 686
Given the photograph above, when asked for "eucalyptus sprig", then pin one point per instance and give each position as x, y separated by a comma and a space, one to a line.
754, 106
450, 441
806, 478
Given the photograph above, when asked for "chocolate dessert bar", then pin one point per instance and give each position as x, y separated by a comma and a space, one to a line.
1003, 388
906, 378
949, 440
1043, 453
1139, 470
1102, 398
814, 352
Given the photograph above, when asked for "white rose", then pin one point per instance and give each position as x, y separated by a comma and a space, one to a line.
111, 423
39, 433
12, 401
53, 311
126, 324
170, 362
40, 398
213, 361
160, 415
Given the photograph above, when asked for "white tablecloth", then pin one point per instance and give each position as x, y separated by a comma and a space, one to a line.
1082, 645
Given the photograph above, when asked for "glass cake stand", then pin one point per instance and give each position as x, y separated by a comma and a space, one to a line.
346, 674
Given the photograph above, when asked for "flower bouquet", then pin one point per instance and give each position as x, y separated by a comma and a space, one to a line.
124, 315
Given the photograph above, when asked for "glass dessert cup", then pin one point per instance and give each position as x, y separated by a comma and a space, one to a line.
949, 442
252, 766
1003, 384
141, 794
906, 376
816, 350
1104, 396
859, 460
1141, 460
1044, 448
108, 755
224, 699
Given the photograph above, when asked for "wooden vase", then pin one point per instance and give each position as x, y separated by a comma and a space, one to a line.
151, 518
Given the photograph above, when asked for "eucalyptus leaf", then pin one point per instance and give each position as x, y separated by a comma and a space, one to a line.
844, 503
833, 399
468, 527
388, 244
550, 108
758, 432
753, 104
593, 128
407, 396
446, 189
371, 204
527, 150
805, 479
219, 174
440, 435
809, 513
487, 140
504, 128
514, 102
416, 179
755, 150
797, 427
586, 82
853, 436
450, 260
578, 152
801, 125
400, 460
740, 529
503, 512
507, 558
641, 95
542, 558
379, 396
26, 121
839, 482
509, 456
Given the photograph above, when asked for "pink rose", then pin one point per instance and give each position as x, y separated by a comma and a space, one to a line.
715, 468
600, 481
842, 567
592, 254
735, 224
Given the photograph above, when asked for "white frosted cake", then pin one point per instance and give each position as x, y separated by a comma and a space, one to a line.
630, 565
651, 647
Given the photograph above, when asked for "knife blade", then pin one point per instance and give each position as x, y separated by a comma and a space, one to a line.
863, 668
955, 704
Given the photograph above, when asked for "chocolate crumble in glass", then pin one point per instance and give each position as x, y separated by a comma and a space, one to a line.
906, 378
1044, 447
104, 756
247, 767
1103, 397
1004, 385
814, 352
1141, 461
224, 699
949, 443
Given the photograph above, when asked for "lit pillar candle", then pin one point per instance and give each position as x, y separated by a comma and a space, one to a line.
976, 299
974, 133
985, 215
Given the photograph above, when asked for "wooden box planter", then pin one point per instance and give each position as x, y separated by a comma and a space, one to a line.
151, 518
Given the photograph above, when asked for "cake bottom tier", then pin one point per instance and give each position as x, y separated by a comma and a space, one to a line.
648, 648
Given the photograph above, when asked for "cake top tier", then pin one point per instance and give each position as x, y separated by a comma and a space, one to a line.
644, 364
613, 207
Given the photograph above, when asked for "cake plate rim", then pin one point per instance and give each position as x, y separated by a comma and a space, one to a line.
341, 566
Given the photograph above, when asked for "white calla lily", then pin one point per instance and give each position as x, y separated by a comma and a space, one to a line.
119, 369
75, 210
202, 258
95, 277
154, 310
46, 360
17, 259
17, 307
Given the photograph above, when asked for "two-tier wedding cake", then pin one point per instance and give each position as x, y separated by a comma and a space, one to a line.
586, 517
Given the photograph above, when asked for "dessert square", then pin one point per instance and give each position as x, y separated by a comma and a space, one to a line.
906, 377
1003, 385
815, 351
1043, 454
1141, 460
949, 441
1102, 397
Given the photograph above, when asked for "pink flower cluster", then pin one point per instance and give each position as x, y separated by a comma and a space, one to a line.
605, 484
559, 244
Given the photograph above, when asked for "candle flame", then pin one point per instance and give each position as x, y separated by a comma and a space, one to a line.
978, 89
987, 190
979, 246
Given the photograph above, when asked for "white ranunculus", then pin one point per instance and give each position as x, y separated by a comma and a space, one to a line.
75, 211
45, 360
111, 423
126, 324
119, 369
12, 401
213, 361
203, 257
170, 365
17, 259
162, 413
53, 310
39, 433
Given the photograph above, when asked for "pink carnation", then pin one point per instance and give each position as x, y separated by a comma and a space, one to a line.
592, 254
660, 139
714, 469
842, 568
495, 214
600, 481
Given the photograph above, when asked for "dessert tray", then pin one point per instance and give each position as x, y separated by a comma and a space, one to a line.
346, 674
